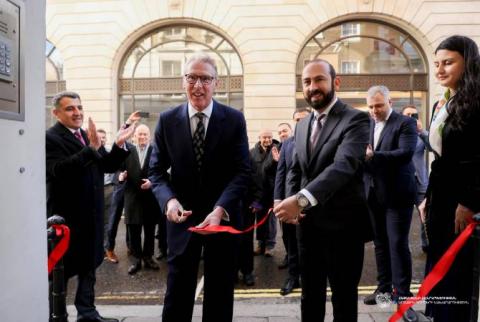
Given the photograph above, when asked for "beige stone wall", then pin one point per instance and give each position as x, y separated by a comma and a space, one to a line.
92, 36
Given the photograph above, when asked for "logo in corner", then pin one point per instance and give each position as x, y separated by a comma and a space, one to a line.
383, 300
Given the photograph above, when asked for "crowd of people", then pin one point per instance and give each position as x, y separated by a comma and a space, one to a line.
338, 179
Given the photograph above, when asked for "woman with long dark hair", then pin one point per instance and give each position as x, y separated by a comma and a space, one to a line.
453, 194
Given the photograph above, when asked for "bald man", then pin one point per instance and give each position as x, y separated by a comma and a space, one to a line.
141, 207
264, 156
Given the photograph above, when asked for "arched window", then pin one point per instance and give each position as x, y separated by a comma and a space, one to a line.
150, 77
366, 53
54, 79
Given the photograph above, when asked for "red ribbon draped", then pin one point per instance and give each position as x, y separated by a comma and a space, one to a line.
62, 246
438, 272
229, 229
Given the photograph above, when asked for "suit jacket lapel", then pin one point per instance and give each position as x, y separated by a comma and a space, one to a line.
387, 129
328, 127
68, 135
372, 130
147, 157
183, 132
302, 139
214, 129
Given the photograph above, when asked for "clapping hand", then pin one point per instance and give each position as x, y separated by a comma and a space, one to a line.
275, 153
92, 134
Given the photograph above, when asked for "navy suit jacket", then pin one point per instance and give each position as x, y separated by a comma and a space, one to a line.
222, 180
333, 173
390, 171
284, 164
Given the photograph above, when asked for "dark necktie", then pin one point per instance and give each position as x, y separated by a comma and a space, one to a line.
199, 140
315, 133
79, 136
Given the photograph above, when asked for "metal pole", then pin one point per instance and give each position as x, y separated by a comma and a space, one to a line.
58, 307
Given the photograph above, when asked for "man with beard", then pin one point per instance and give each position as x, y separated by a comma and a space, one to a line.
327, 197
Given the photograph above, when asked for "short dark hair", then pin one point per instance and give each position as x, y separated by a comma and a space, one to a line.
301, 110
409, 106
284, 123
332, 71
58, 97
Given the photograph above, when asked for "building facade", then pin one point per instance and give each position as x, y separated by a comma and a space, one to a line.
124, 55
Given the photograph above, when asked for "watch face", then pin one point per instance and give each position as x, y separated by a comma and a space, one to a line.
303, 201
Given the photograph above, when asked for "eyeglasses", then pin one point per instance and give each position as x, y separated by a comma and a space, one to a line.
192, 79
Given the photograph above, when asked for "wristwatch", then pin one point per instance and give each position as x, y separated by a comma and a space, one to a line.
302, 201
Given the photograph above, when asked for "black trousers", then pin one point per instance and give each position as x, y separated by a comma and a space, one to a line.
219, 270
456, 288
115, 214
135, 237
391, 227
333, 256
84, 296
245, 248
289, 237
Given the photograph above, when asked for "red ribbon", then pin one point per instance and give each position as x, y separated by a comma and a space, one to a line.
438, 272
229, 229
62, 246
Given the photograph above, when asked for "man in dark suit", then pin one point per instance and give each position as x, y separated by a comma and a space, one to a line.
420, 164
325, 184
204, 144
289, 231
391, 189
75, 171
141, 207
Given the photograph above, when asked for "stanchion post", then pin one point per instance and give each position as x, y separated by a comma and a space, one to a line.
476, 270
57, 296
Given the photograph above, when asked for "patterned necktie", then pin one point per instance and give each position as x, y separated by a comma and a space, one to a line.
79, 136
316, 128
199, 140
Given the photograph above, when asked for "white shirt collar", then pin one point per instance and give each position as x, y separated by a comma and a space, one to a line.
327, 109
207, 111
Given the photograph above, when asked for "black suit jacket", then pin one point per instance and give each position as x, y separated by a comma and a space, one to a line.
454, 179
222, 180
75, 192
391, 172
284, 164
333, 173
141, 207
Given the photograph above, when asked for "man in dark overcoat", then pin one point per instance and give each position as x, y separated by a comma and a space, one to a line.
75, 171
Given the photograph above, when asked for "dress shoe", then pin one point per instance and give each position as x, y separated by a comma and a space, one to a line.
99, 319
259, 251
249, 279
150, 264
283, 264
132, 270
410, 316
111, 256
290, 284
268, 252
372, 298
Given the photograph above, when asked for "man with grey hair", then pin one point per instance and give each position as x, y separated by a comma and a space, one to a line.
205, 146
75, 172
390, 188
